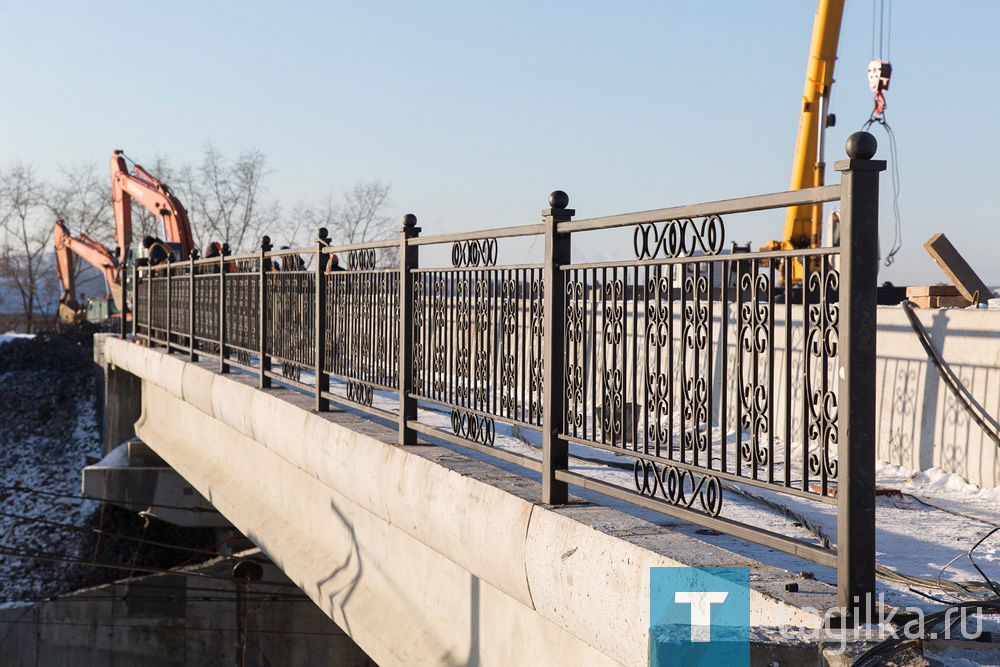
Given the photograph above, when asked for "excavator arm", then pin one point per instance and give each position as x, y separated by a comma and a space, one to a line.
152, 195
66, 245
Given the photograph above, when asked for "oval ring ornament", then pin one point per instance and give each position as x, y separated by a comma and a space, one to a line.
679, 238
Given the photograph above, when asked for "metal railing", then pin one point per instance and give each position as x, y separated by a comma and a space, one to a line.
704, 368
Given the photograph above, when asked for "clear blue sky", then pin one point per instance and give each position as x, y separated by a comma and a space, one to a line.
475, 111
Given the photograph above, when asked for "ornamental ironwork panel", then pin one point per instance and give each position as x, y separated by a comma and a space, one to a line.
682, 362
206, 308
478, 338
242, 311
362, 324
291, 323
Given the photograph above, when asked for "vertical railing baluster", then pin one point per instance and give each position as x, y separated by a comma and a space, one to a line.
555, 449
168, 304
856, 405
223, 352
193, 353
149, 303
322, 384
409, 259
264, 362
135, 301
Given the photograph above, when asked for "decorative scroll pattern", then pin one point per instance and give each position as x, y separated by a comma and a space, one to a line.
361, 260
180, 305
473, 427
481, 252
419, 328
613, 381
754, 367
478, 340
658, 333
359, 392
206, 304
291, 303
679, 238
362, 326
821, 348
508, 361
695, 359
242, 310
678, 486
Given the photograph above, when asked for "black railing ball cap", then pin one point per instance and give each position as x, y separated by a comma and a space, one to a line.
409, 220
559, 199
861, 146
323, 233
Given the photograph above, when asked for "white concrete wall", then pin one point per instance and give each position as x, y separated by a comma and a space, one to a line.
921, 423
418, 561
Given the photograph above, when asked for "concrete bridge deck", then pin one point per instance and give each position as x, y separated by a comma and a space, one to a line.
421, 555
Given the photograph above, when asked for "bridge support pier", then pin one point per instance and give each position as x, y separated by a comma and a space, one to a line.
119, 399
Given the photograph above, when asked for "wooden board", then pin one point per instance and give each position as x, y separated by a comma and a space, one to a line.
932, 290
940, 301
957, 269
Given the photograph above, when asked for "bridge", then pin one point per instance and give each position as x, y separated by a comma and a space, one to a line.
401, 438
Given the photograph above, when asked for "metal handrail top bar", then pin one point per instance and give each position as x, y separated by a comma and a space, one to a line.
386, 243
498, 233
699, 259
468, 269
818, 195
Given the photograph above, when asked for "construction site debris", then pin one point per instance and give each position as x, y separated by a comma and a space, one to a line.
969, 284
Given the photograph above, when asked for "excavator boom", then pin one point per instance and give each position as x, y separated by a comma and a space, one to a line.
66, 245
155, 197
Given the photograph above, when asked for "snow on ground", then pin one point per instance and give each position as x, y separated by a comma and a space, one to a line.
12, 335
926, 521
48, 429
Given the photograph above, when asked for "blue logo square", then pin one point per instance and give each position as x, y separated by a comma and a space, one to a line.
699, 616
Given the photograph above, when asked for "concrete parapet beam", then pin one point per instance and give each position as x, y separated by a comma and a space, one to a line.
421, 555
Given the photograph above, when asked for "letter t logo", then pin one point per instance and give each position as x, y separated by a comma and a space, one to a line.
701, 611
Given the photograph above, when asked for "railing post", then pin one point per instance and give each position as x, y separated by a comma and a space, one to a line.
322, 379
135, 300
170, 319
555, 450
193, 354
409, 259
264, 366
223, 352
856, 348
123, 275
149, 303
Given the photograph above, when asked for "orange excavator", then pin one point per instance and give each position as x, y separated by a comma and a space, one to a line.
66, 245
154, 196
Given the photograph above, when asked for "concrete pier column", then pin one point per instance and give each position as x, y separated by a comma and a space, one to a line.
119, 399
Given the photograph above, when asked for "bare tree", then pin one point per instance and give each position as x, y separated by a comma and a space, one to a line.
361, 216
228, 198
83, 201
25, 238
358, 217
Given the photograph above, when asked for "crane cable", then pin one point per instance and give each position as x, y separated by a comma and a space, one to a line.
879, 73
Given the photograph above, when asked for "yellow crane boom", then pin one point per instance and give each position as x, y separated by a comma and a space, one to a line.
803, 224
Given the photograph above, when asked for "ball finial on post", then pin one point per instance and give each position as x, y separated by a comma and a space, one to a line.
558, 199
861, 146
409, 220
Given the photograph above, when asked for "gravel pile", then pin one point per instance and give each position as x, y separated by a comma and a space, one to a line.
48, 430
